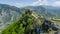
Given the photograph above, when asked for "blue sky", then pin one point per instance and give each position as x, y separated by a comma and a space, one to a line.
22, 3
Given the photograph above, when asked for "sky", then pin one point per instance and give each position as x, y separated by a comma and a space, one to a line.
22, 3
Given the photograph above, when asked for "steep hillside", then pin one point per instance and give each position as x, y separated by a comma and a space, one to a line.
31, 23
25, 23
8, 14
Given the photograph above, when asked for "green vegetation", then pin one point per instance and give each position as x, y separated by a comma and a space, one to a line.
21, 26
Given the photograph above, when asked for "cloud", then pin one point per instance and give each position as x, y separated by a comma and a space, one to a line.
36, 3
17, 4
57, 3
46, 2
40, 2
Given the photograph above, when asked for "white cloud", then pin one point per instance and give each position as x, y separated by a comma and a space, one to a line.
40, 2
21, 4
57, 3
35, 3
17, 4
45, 2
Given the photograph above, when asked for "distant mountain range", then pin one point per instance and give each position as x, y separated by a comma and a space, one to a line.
47, 11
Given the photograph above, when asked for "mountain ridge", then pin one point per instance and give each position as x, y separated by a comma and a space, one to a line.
9, 14
30, 23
